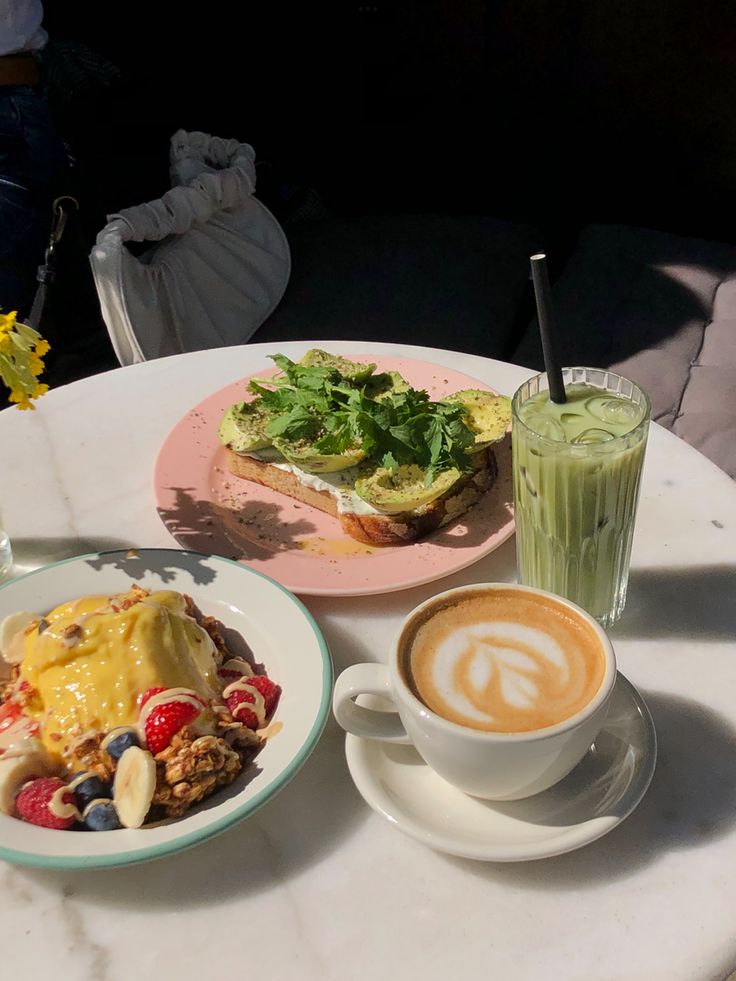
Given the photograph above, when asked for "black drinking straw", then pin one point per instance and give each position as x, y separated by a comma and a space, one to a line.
543, 296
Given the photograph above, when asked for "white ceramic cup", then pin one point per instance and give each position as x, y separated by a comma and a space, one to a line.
493, 765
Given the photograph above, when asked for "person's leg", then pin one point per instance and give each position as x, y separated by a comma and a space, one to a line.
32, 160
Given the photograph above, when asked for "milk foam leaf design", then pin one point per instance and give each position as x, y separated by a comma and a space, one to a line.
491, 674
506, 676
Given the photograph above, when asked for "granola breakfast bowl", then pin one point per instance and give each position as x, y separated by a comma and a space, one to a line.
133, 679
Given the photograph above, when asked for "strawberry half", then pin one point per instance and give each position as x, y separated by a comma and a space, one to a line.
165, 720
269, 690
32, 803
238, 701
10, 712
142, 699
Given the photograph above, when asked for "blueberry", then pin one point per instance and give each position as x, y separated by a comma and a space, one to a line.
121, 740
102, 816
87, 787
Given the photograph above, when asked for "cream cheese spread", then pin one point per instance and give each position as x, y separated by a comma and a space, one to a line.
340, 484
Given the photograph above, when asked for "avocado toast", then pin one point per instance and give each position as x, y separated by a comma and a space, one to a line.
364, 446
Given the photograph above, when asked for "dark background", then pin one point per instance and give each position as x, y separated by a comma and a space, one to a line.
557, 113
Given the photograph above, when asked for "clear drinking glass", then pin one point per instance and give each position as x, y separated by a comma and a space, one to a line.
6, 553
575, 501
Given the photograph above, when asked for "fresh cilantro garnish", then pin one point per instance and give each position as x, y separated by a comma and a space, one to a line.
408, 428
319, 405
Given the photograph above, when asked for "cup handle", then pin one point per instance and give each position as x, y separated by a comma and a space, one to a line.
366, 679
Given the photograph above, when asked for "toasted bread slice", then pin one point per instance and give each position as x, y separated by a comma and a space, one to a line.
372, 527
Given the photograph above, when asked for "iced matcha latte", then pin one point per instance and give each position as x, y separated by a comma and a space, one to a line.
577, 467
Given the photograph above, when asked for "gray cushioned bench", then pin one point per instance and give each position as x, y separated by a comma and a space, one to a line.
452, 281
656, 307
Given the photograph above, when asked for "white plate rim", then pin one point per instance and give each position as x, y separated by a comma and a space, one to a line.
569, 839
249, 806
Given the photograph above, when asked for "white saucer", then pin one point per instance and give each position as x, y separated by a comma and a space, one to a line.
599, 793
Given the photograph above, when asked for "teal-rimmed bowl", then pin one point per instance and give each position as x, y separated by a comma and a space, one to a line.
280, 633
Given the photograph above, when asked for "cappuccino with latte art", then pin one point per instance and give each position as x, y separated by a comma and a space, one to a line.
501, 688
502, 660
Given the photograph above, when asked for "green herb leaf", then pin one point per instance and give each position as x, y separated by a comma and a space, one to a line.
319, 405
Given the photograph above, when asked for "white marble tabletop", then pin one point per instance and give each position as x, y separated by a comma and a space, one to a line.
315, 884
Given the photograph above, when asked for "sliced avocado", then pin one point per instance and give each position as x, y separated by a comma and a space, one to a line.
306, 457
384, 384
487, 415
243, 427
403, 489
315, 358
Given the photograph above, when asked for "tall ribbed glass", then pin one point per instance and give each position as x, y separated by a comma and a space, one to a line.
577, 471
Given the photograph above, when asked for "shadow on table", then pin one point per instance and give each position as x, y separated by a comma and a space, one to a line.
252, 529
308, 820
698, 603
165, 563
249, 525
33, 553
690, 802
371, 643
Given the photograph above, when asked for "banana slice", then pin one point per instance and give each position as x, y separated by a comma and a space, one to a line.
11, 635
15, 771
135, 783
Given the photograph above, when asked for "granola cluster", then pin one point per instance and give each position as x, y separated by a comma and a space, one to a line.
192, 768
189, 769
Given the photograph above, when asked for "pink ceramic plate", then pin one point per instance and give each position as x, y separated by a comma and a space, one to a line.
209, 510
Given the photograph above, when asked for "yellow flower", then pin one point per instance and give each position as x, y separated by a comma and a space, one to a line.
7, 321
21, 360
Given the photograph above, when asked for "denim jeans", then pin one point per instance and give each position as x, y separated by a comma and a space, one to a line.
32, 162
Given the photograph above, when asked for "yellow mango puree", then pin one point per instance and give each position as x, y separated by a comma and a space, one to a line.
90, 662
